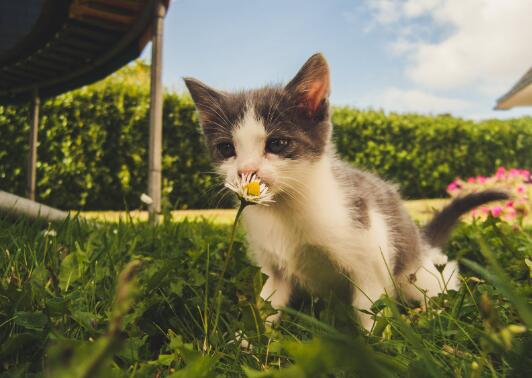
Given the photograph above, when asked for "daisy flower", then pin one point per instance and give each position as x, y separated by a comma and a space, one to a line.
146, 199
251, 190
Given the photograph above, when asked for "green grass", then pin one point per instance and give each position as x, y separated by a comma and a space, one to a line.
216, 216
65, 312
420, 210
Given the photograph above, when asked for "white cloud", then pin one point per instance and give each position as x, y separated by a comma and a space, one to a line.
415, 8
403, 45
413, 100
486, 47
385, 11
388, 11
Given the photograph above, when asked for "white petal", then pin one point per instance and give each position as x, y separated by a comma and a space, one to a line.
47, 233
146, 199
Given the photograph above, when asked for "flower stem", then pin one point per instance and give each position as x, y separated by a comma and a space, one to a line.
228, 254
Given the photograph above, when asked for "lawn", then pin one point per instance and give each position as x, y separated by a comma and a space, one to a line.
420, 210
66, 309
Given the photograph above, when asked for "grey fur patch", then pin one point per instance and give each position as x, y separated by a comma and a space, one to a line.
371, 191
361, 210
286, 112
282, 118
220, 113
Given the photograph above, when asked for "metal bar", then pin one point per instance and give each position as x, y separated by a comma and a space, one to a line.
120, 4
92, 33
156, 113
32, 156
28, 74
59, 58
72, 52
79, 11
83, 44
40, 63
12, 204
7, 78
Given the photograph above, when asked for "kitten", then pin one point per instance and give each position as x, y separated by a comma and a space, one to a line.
333, 229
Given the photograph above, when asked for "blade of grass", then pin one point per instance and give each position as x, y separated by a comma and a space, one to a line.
503, 284
413, 339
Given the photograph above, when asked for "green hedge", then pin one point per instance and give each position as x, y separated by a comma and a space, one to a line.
93, 148
423, 154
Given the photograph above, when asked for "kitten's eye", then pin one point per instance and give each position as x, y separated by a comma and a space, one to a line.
276, 145
227, 150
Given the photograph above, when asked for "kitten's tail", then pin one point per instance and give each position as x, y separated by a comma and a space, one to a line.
439, 228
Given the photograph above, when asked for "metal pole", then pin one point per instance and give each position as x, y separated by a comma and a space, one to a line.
15, 205
156, 113
32, 156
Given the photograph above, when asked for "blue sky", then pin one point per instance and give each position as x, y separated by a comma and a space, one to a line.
426, 56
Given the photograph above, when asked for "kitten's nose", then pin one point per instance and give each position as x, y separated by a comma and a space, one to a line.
247, 171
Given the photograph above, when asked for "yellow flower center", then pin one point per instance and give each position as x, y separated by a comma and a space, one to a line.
253, 188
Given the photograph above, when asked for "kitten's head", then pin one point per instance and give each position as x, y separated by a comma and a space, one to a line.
275, 131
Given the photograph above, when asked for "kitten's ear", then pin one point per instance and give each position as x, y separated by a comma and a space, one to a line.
206, 98
310, 87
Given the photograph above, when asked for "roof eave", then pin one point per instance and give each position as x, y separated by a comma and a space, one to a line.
519, 95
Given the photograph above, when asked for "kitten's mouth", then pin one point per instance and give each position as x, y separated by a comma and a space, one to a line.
250, 189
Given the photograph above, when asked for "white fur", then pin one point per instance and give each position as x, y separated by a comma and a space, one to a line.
249, 138
311, 236
422, 279
277, 237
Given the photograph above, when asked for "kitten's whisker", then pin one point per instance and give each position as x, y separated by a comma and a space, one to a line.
297, 187
222, 198
215, 103
217, 189
210, 194
297, 198
274, 106
281, 114
293, 191
296, 201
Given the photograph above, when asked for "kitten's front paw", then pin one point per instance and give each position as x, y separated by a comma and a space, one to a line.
273, 319
366, 321
437, 257
243, 340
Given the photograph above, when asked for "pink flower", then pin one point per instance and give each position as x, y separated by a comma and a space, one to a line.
510, 212
520, 203
496, 211
500, 172
511, 180
452, 186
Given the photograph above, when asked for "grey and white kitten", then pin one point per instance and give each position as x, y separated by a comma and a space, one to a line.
333, 229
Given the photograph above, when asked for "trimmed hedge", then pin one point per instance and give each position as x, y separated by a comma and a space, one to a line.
423, 154
93, 148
